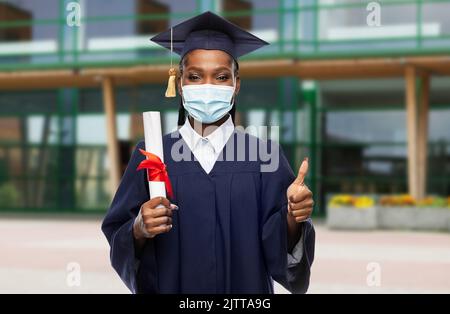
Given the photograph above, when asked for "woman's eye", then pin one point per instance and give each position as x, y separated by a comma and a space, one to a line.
193, 77
222, 77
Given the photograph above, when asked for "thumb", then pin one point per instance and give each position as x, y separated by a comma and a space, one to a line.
302, 172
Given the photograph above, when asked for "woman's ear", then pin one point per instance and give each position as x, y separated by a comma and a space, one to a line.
238, 85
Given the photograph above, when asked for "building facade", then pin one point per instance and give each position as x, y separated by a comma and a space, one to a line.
54, 133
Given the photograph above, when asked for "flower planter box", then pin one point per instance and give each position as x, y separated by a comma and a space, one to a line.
414, 218
391, 218
352, 218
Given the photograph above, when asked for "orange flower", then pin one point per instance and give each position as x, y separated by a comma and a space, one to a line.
397, 200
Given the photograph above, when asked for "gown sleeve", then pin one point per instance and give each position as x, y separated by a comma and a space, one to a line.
293, 276
118, 223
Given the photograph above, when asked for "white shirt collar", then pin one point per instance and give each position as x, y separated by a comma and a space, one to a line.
218, 138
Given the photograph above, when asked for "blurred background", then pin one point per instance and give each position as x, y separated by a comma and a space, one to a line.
361, 87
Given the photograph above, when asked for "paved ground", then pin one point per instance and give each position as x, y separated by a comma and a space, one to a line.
36, 257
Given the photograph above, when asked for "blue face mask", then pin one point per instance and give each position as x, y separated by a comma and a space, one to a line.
207, 103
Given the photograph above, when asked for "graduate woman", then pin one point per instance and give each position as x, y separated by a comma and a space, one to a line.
235, 221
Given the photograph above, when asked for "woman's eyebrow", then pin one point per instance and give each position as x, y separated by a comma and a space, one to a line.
222, 68
194, 68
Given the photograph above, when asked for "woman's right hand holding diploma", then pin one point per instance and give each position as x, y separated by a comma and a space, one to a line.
155, 217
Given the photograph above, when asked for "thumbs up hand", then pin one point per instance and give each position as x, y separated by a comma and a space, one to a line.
300, 198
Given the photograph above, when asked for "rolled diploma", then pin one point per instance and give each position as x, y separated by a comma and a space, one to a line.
153, 144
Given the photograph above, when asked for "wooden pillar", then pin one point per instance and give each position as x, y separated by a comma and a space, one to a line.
423, 133
412, 130
417, 107
111, 132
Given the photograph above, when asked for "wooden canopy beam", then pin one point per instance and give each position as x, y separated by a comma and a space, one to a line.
306, 69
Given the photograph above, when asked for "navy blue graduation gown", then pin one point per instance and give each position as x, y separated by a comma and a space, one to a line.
229, 234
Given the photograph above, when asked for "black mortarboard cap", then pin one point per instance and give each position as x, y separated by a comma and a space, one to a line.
209, 31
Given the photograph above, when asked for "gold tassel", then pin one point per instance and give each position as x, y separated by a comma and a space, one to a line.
171, 90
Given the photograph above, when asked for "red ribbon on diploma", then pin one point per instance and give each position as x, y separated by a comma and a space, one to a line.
156, 170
